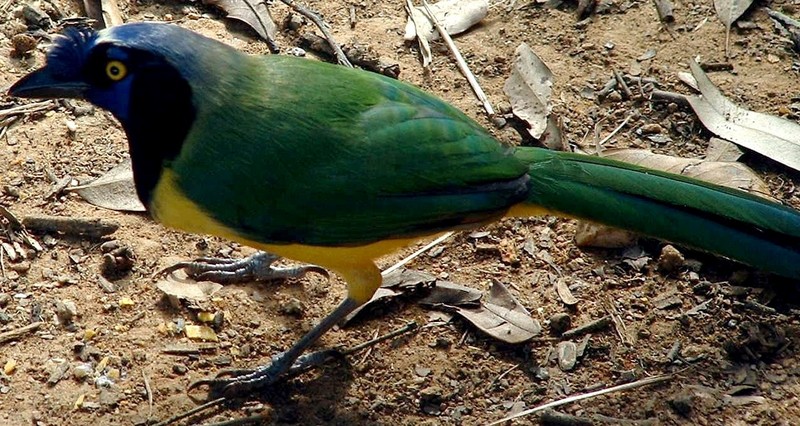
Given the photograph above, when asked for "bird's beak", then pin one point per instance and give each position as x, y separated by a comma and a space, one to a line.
43, 84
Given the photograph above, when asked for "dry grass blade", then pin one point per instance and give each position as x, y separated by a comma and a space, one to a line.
462, 64
627, 386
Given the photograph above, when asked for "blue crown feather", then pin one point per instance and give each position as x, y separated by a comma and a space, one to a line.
69, 52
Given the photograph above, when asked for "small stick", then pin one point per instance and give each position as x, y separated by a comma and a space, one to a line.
424, 46
664, 9
315, 18
254, 419
92, 228
500, 377
19, 332
462, 64
623, 85
669, 96
609, 87
352, 14
149, 392
639, 383
191, 412
28, 108
589, 327
616, 130
416, 254
411, 325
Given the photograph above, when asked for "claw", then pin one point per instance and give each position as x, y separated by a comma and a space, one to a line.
257, 267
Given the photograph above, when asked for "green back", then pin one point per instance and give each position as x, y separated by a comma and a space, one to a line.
294, 150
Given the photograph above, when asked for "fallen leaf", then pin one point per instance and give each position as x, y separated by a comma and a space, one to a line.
722, 150
254, 13
114, 190
455, 16
564, 292
193, 291
395, 284
452, 294
501, 316
768, 135
529, 88
415, 20
728, 12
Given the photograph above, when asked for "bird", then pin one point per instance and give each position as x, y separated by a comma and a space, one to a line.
336, 167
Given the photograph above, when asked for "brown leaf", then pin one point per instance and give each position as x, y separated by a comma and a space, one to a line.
502, 317
254, 13
114, 190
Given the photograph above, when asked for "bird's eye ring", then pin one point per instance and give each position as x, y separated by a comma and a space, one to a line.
116, 70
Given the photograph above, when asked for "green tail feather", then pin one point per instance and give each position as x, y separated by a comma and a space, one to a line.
675, 208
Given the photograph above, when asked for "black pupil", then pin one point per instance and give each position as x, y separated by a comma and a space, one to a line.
114, 70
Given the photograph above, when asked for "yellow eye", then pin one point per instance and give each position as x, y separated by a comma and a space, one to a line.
116, 70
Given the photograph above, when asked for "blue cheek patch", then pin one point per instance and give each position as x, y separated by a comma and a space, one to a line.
115, 98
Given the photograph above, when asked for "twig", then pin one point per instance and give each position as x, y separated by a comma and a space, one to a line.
669, 96
589, 327
315, 18
149, 391
500, 377
352, 17
627, 386
411, 325
28, 108
369, 351
255, 419
462, 64
191, 412
92, 228
619, 325
623, 85
416, 254
616, 130
19, 332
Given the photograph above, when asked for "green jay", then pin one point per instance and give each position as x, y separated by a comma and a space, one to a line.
336, 167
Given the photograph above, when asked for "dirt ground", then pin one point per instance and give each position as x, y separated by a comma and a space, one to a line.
737, 362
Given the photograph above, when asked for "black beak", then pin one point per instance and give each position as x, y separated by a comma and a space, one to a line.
43, 84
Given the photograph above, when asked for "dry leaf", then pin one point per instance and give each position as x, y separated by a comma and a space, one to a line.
722, 150
768, 135
455, 16
114, 190
564, 292
254, 13
502, 317
529, 88
450, 293
191, 291
415, 19
394, 284
728, 12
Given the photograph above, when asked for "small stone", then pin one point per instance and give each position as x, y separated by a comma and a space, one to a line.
108, 398
179, 369
200, 332
651, 129
567, 355
72, 128
292, 307
560, 323
21, 267
126, 302
66, 311
5, 299
109, 246
82, 371
10, 366
23, 44
681, 404
670, 259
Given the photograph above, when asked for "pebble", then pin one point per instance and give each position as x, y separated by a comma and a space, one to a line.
292, 307
567, 355
179, 369
66, 311
5, 299
82, 371
670, 259
681, 404
560, 323
651, 129
23, 44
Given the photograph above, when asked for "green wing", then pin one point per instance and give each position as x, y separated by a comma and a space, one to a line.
322, 155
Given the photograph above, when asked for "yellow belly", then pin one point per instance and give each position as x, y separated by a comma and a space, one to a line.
170, 207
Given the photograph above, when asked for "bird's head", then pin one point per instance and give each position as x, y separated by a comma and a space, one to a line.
118, 68
147, 74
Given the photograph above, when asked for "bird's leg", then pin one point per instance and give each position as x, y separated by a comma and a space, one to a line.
257, 267
362, 283
260, 377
